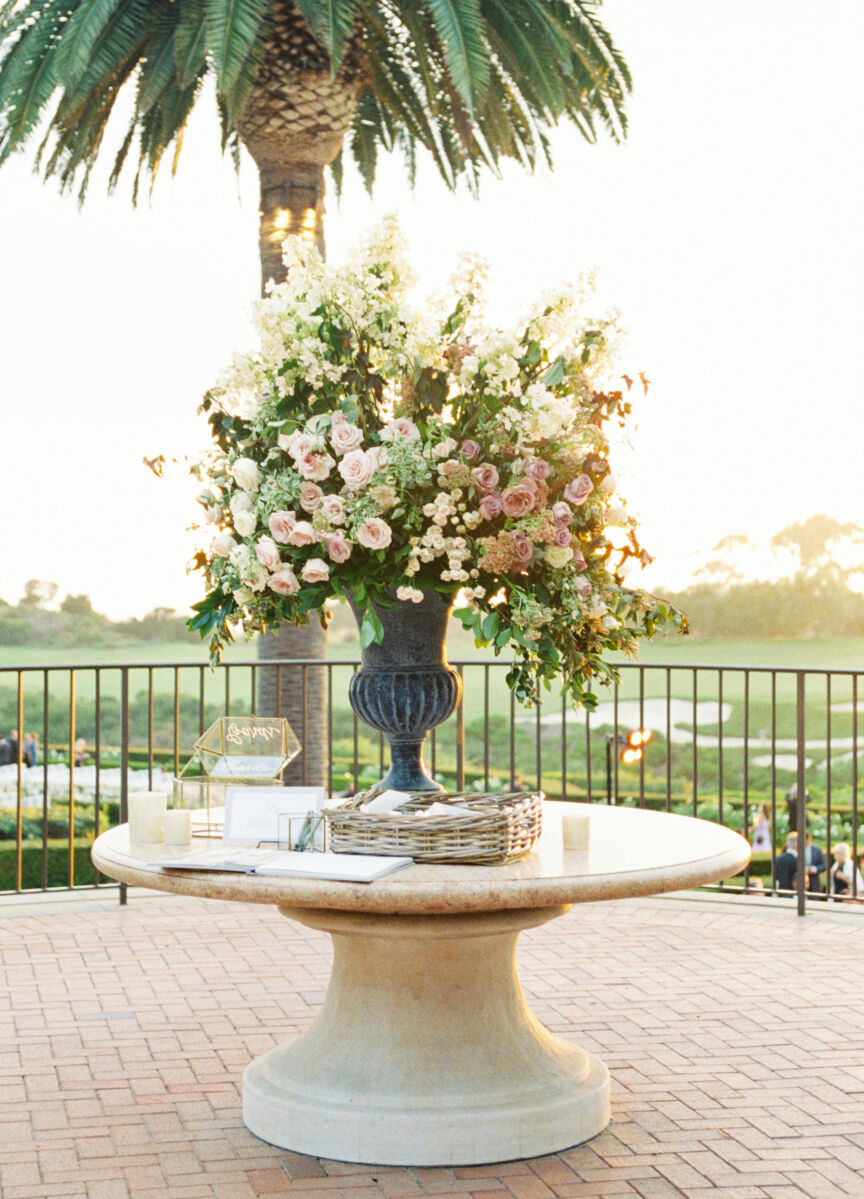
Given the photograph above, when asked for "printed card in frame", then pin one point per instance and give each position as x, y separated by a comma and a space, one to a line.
252, 813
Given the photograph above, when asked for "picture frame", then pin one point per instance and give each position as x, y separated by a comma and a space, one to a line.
252, 813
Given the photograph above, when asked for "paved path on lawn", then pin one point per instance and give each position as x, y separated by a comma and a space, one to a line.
734, 1033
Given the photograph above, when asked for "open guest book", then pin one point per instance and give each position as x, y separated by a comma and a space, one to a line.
341, 867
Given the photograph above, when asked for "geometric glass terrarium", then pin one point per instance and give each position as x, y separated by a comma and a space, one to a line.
245, 750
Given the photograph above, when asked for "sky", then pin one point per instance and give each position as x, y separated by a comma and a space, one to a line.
727, 231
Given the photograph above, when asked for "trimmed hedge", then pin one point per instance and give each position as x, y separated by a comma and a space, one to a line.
58, 865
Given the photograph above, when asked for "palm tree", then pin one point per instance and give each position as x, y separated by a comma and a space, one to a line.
471, 81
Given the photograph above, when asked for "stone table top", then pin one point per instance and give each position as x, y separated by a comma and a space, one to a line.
632, 852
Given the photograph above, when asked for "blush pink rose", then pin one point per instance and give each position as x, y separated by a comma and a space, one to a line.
345, 437
315, 465
539, 469
490, 505
377, 456
338, 547
579, 561
300, 445
585, 589
562, 513
333, 507
400, 429
356, 469
302, 534
281, 524
517, 500
562, 536
311, 496
523, 549
267, 553
485, 477
470, 449
315, 570
284, 582
578, 490
375, 533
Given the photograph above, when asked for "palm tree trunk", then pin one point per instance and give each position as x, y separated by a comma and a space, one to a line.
292, 201
293, 124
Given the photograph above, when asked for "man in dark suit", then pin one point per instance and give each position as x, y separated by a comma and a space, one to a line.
787, 863
815, 864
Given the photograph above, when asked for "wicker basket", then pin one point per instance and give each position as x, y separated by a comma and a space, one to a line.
503, 826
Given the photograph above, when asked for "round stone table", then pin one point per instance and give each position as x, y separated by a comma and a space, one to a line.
424, 1052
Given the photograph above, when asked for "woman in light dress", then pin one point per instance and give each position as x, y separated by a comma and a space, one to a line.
760, 830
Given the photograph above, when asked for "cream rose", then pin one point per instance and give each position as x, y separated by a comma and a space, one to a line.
375, 533
345, 437
315, 570
410, 593
400, 429
559, 555
281, 524
240, 502
223, 544
245, 474
284, 582
356, 469
245, 523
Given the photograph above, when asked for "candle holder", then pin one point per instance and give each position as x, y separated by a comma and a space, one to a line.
234, 751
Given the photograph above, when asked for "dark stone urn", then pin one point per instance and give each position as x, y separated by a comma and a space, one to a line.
405, 686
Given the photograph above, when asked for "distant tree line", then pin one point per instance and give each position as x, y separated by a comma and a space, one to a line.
38, 620
821, 596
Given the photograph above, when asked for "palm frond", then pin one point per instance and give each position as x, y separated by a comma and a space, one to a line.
80, 34
27, 76
460, 27
190, 45
233, 29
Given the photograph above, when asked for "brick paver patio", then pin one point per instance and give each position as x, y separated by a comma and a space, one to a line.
734, 1033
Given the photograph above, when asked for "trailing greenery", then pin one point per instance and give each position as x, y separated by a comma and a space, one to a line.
472, 81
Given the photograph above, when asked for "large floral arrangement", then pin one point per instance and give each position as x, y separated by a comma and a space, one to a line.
374, 448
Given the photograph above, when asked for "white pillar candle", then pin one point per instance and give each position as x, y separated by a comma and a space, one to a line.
147, 816
178, 826
576, 831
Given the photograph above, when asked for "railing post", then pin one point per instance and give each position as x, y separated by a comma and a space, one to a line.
124, 756
800, 785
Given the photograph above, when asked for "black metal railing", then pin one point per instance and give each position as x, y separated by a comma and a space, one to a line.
727, 743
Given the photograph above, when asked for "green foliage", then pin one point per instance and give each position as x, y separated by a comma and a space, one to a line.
472, 81
77, 623
57, 862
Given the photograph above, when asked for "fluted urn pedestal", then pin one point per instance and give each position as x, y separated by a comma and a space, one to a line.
405, 686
